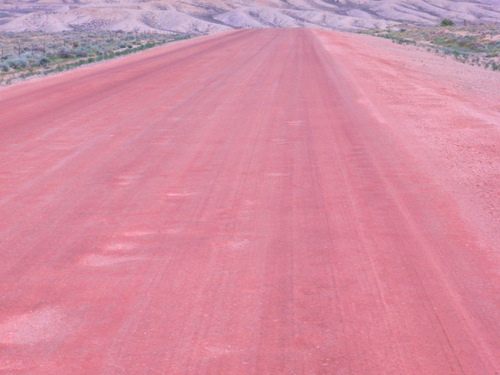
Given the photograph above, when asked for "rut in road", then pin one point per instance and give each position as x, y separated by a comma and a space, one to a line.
229, 206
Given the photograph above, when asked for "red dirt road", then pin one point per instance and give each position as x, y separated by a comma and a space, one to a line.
236, 204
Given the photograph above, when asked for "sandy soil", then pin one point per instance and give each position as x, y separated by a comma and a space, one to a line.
452, 110
313, 203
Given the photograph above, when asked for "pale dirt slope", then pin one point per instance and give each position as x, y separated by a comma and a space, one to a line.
219, 15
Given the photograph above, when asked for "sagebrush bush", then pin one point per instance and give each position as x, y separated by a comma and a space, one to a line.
80, 53
18, 63
43, 61
65, 53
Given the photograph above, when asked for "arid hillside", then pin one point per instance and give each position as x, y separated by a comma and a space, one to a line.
211, 16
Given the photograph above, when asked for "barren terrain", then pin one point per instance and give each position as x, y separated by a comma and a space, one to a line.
313, 203
212, 16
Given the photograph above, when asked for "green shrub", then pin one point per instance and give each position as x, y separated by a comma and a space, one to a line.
447, 22
80, 53
65, 53
43, 61
19, 63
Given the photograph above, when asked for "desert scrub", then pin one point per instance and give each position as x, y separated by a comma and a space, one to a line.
19, 63
43, 61
80, 52
471, 44
33, 53
447, 22
65, 53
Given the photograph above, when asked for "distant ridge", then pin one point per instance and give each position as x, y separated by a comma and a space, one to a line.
212, 16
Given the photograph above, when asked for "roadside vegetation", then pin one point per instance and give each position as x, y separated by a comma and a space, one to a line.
24, 55
471, 44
